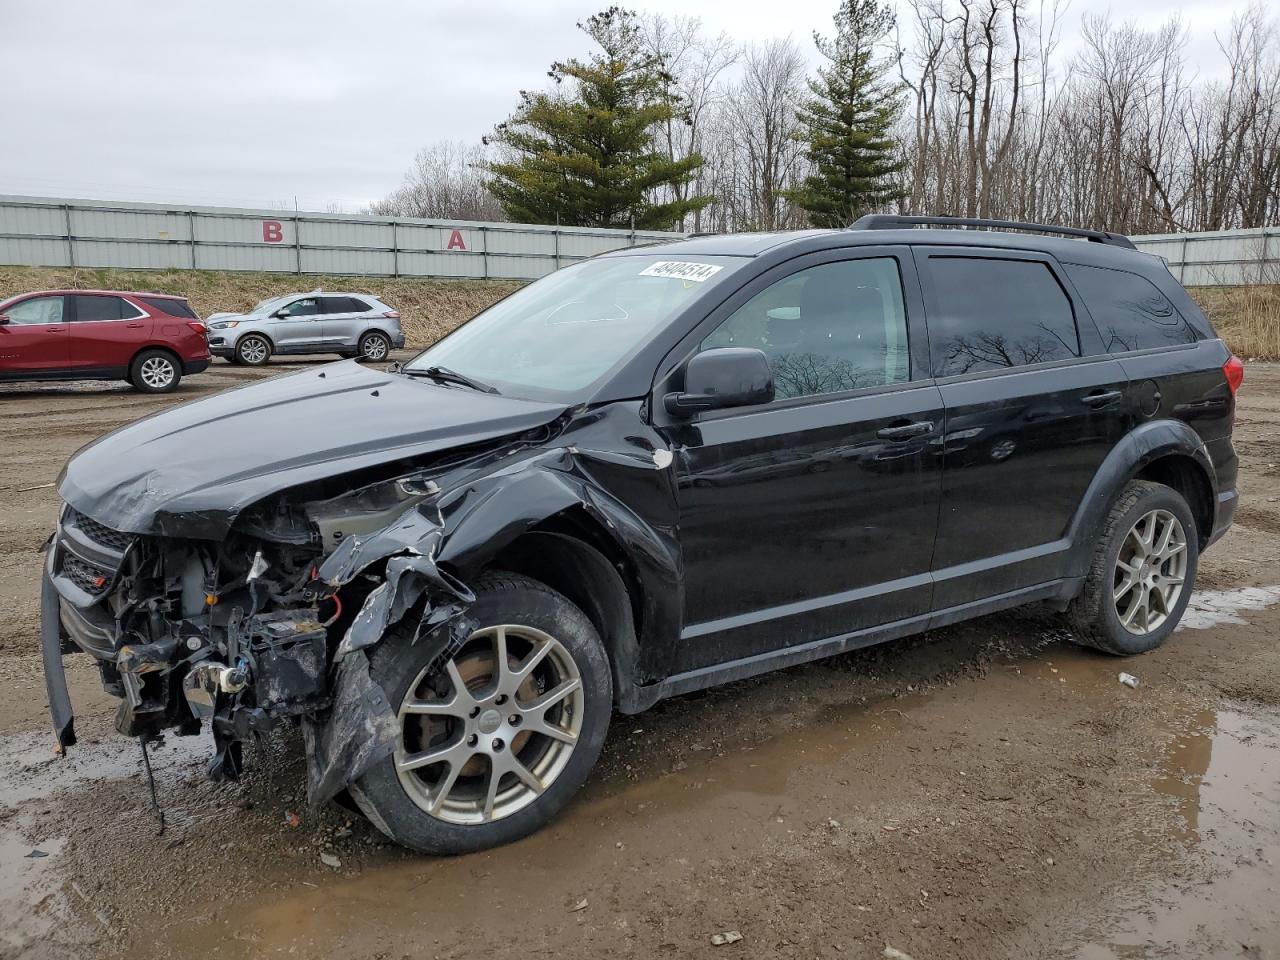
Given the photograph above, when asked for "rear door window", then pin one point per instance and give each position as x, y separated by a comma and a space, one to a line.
341, 305
172, 308
994, 313
34, 311
91, 308
1130, 312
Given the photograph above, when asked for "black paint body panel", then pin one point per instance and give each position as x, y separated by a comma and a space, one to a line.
750, 538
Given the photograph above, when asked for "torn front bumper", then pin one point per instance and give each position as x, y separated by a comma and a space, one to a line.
55, 678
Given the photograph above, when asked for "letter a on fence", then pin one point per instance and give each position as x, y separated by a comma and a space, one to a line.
456, 242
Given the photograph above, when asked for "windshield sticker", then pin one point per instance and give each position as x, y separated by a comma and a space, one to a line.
681, 270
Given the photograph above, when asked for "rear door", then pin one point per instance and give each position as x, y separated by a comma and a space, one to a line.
1033, 406
343, 321
106, 332
298, 327
813, 516
35, 340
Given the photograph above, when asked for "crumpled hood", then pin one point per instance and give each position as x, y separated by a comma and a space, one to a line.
189, 471
214, 317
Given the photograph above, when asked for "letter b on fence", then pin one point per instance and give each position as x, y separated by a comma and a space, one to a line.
272, 231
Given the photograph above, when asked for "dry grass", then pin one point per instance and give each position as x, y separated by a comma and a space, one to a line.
1248, 318
428, 308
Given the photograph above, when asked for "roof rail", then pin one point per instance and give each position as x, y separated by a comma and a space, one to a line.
886, 221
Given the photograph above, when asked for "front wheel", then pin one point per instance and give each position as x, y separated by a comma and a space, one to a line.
1143, 571
154, 371
253, 350
495, 741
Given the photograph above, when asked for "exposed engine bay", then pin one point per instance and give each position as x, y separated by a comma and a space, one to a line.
241, 633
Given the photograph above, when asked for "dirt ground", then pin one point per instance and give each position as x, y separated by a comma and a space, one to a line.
988, 790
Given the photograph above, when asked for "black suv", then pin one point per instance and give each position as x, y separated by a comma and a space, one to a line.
650, 472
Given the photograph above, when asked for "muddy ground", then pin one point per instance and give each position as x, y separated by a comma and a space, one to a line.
983, 791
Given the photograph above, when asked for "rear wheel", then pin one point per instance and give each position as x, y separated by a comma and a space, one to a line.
154, 371
374, 347
253, 350
495, 741
1143, 571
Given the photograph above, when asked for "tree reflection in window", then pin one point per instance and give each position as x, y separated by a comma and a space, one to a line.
827, 329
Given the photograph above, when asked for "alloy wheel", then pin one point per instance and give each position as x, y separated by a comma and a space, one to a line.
253, 350
374, 348
157, 372
487, 735
1150, 572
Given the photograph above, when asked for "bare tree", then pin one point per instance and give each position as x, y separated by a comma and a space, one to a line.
446, 182
696, 64
756, 156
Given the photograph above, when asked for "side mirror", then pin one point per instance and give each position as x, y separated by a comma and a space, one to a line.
724, 377
4, 318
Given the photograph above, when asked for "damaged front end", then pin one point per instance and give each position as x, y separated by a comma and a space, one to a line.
264, 627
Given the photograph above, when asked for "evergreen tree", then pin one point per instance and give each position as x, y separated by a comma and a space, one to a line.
847, 119
586, 155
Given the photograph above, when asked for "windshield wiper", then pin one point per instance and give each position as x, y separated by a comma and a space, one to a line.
445, 375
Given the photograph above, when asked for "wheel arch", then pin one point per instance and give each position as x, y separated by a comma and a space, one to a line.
593, 534
163, 348
254, 333
1164, 451
599, 586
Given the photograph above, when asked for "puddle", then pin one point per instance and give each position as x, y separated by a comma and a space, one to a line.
718, 806
34, 900
1210, 608
1224, 773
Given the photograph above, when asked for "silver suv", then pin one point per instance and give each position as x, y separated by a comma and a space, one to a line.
350, 324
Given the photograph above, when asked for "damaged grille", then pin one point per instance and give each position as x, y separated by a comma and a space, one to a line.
97, 532
89, 578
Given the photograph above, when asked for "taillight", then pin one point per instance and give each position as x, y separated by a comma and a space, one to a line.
196, 325
392, 314
1233, 369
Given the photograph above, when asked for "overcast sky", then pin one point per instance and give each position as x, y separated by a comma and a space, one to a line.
256, 102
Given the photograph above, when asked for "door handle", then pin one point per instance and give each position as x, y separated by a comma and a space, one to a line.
905, 431
133, 324
54, 329
1100, 398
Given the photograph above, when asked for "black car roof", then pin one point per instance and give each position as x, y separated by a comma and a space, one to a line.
794, 243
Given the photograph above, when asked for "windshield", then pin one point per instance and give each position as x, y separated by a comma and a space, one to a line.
566, 331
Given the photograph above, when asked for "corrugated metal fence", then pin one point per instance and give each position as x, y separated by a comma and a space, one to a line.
1223, 258
42, 231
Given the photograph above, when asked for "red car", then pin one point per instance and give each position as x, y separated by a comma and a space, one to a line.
149, 339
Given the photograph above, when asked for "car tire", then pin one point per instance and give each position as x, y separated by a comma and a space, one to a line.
374, 347
155, 371
253, 350
530, 616
1142, 574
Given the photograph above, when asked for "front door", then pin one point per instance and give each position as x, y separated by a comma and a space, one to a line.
34, 342
1033, 406
298, 327
813, 516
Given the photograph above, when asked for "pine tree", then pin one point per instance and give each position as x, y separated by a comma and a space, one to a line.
846, 121
585, 155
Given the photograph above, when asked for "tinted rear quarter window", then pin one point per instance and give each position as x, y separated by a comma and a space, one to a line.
997, 313
172, 308
92, 308
1130, 312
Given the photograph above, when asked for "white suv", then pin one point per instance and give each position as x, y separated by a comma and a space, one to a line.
350, 324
